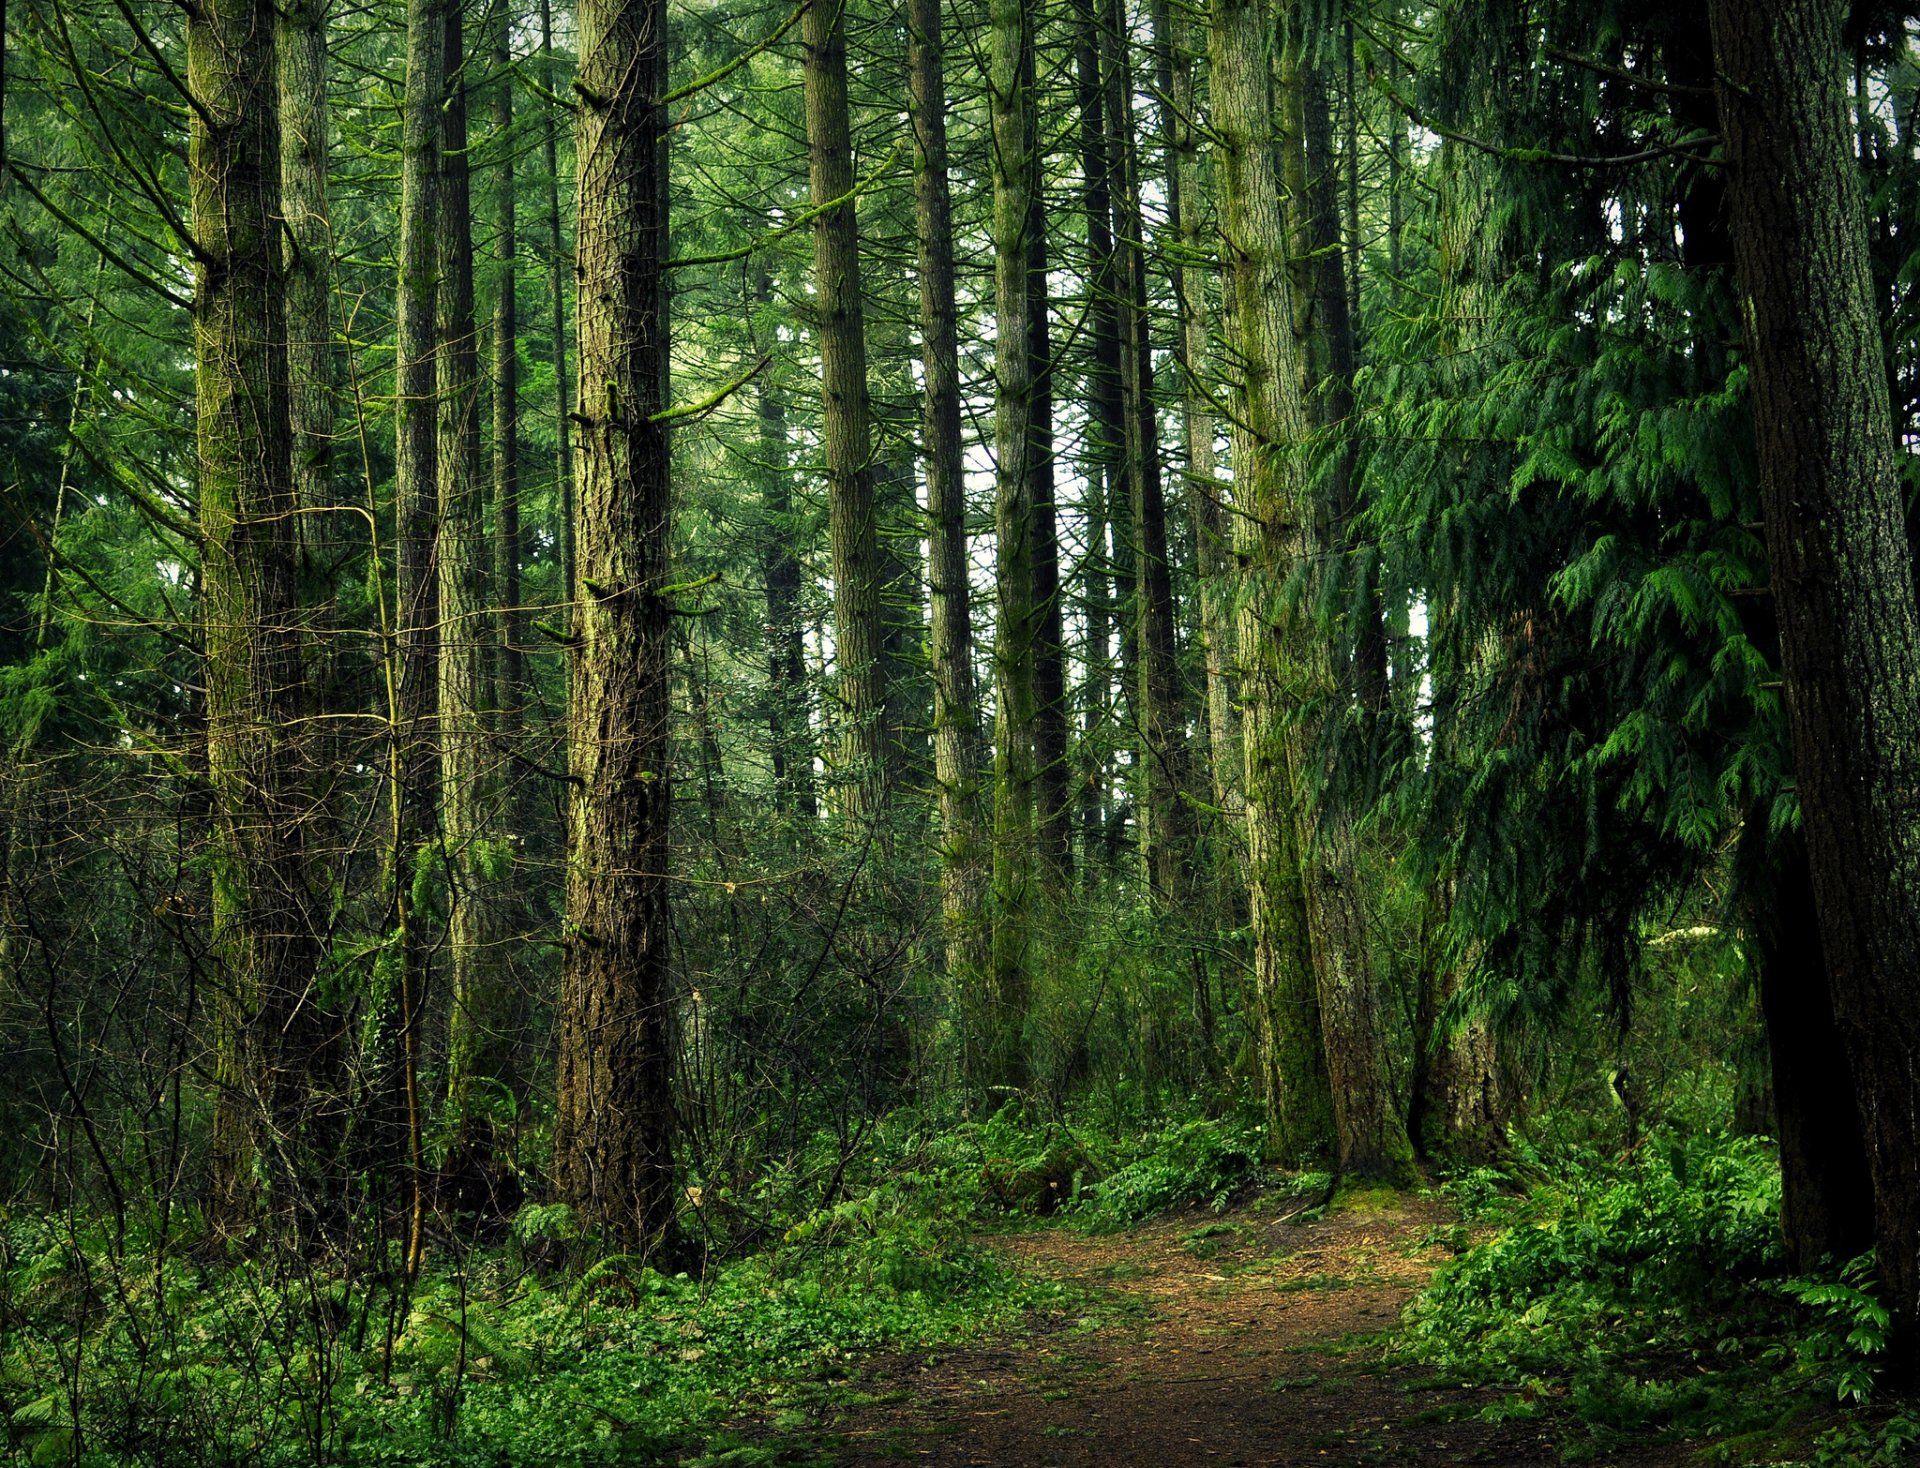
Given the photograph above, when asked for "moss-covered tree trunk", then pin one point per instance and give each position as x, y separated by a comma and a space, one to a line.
413, 664
788, 724
613, 1123
965, 850
558, 268
1100, 455
469, 784
277, 1109
304, 148
859, 633
1841, 567
1052, 785
1165, 824
1270, 526
1016, 887
509, 546
1193, 256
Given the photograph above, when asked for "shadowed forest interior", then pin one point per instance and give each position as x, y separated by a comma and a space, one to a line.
1017, 732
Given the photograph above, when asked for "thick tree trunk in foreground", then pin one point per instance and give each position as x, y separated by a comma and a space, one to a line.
1459, 1106
867, 751
1002, 1060
965, 858
1368, 1124
277, 1103
613, 1124
1270, 496
1841, 566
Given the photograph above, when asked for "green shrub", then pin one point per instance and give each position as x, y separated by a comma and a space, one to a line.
1192, 1163
1652, 1288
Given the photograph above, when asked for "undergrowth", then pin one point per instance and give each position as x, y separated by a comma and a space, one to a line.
1650, 1293
503, 1356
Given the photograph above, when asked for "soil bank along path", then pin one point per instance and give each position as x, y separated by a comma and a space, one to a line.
1216, 1341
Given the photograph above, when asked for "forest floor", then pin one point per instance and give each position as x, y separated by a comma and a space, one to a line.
1247, 1338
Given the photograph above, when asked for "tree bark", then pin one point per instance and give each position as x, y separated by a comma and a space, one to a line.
509, 672
1270, 528
1002, 1059
613, 1123
278, 1048
867, 753
413, 766
965, 862
1841, 567
557, 274
1194, 357
304, 140
1325, 324
1826, 1186
1165, 826
1104, 435
469, 789
1369, 1126
1052, 785
787, 721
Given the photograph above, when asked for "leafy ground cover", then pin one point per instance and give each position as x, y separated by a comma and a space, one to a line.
1573, 1304
1621, 1295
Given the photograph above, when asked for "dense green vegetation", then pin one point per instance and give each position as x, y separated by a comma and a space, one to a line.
663, 660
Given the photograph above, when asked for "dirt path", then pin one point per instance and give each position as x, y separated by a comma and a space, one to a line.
1214, 1341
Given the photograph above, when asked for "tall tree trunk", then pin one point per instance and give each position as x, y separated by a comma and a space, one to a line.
787, 721
1270, 498
613, 1124
1052, 785
1104, 435
304, 151
858, 574
414, 667
1841, 567
509, 672
1186, 202
557, 263
468, 787
1826, 1188
965, 865
1015, 799
1368, 1123
1165, 824
275, 1040
1459, 1105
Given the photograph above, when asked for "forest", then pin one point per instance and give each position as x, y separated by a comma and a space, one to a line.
1011, 732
